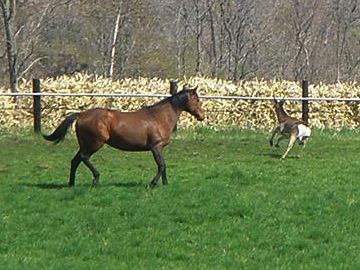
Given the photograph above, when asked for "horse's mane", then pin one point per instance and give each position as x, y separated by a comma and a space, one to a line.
177, 99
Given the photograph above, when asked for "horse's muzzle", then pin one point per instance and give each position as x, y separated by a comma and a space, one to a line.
200, 116
198, 113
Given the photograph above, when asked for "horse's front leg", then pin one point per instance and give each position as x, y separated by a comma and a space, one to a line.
157, 154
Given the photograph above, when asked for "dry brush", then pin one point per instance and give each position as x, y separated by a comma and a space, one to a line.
220, 113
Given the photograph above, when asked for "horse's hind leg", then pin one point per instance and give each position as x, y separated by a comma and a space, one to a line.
91, 137
96, 174
74, 165
161, 168
75, 162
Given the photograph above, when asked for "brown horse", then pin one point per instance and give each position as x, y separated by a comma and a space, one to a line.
147, 129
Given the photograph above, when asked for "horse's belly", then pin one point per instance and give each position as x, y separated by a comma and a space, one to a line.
128, 144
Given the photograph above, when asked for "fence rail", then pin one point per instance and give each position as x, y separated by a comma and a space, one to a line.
126, 95
37, 95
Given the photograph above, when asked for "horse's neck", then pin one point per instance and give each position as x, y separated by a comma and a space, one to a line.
173, 115
168, 113
281, 114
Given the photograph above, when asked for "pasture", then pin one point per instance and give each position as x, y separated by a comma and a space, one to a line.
230, 204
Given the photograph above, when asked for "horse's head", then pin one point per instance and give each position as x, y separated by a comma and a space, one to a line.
192, 103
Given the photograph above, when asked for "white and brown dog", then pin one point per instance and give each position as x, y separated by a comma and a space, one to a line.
289, 127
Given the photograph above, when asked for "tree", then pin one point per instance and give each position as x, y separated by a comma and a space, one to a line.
232, 39
21, 56
240, 42
346, 18
114, 39
8, 11
302, 25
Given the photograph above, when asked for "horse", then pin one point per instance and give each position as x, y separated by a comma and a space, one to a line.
148, 129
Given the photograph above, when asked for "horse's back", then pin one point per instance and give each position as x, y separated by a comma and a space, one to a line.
93, 118
124, 130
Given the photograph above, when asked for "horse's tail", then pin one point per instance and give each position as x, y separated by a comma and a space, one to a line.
59, 134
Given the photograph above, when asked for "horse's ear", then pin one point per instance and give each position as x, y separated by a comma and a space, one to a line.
186, 86
193, 91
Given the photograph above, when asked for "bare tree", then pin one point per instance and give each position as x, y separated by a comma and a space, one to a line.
21, 56
232, 39
237, 21
181, 30
302, 22
8, 11
213, 52
114, 40
202, 12
347, 19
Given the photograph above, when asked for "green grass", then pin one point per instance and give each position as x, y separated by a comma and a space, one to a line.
230, 204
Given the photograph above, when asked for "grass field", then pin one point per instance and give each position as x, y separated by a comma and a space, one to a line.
230, 204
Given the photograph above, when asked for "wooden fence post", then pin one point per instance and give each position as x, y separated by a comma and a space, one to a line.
37, 105
305, 103
173, 91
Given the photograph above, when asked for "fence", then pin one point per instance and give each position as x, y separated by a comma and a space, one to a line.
37, 95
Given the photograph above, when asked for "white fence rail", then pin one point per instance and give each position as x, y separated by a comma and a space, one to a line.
127, 95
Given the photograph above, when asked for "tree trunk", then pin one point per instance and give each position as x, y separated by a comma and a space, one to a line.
198, 36
113, 44
8, 9
213, 60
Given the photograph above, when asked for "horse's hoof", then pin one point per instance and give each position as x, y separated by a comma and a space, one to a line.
96, 183
151, 185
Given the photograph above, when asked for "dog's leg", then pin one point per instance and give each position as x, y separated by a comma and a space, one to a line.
290, 145
274, 132
282, 137
303, 144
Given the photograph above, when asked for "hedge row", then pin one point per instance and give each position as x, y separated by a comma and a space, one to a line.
219, 113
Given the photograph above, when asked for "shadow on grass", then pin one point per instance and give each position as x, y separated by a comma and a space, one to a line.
272, 155
126, 184
61, 186
46, 186
278, 156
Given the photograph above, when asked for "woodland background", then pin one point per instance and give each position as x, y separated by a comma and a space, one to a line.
317, 40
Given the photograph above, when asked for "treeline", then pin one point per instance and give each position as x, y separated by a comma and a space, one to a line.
317, 40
